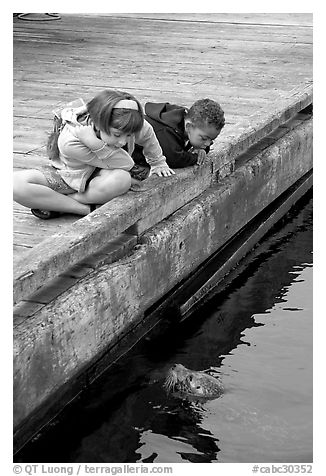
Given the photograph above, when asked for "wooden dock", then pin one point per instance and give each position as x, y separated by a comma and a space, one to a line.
71, 293
246, 62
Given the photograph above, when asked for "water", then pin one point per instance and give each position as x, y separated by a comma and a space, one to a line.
257, 336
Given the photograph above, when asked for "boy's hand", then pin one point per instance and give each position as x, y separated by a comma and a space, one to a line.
201, 156
87, 136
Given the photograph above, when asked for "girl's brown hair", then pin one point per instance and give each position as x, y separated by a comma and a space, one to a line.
103, 113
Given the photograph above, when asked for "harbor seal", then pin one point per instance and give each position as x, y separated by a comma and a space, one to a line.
192, 385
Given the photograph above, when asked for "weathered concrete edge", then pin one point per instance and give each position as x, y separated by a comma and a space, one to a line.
257, 126
62, 338
54, 255
190, 299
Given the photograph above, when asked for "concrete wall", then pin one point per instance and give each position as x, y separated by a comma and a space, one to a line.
61, 339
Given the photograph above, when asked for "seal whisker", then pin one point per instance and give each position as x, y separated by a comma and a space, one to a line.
169, 383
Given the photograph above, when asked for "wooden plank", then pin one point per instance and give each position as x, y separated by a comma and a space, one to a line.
212, 58
200, 39
120, 23
295, 19
167, 72
213, 47
259, 80
20, 249
197, 86
30, 161
211, 61
29, 231
26, 144
185, 99
27, 239
25, 224
228, 93
18, 252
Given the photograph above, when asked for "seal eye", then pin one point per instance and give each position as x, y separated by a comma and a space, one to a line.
190, 378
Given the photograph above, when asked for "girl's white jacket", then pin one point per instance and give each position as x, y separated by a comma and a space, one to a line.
77, 162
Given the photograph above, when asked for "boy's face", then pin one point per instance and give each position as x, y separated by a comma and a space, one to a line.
203, 136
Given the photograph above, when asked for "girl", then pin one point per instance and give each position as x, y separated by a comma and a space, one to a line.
91, 166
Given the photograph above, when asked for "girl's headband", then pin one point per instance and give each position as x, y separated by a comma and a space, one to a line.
126, 104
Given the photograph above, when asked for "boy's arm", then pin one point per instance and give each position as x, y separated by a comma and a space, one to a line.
177, 156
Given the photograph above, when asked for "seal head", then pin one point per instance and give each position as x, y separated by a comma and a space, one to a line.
193, 385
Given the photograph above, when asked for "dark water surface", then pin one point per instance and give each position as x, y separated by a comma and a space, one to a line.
258, 337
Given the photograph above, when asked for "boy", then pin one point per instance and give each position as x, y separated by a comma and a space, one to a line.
185, 136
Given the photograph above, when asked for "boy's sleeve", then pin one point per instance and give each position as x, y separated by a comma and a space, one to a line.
151, 148
175, 154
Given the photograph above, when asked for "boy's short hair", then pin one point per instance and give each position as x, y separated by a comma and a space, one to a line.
207, 112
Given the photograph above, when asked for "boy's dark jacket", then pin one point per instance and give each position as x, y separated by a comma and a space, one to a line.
167, 121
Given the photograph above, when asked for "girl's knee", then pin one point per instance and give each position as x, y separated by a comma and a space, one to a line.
107, 185
123, 180
23, 179
118, 182
20, 183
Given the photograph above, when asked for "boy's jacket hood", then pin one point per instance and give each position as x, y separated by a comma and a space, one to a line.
167, 114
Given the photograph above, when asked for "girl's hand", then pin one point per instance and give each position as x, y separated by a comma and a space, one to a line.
161, 171
201, 156
87, 136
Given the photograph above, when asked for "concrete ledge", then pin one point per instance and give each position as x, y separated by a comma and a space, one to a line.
62, 338
87, 235
252, 130
114, 250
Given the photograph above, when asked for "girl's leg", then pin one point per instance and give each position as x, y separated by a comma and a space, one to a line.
106, 185
31, 189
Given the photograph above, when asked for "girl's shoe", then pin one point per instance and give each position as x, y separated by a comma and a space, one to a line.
48, 214
45, 214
